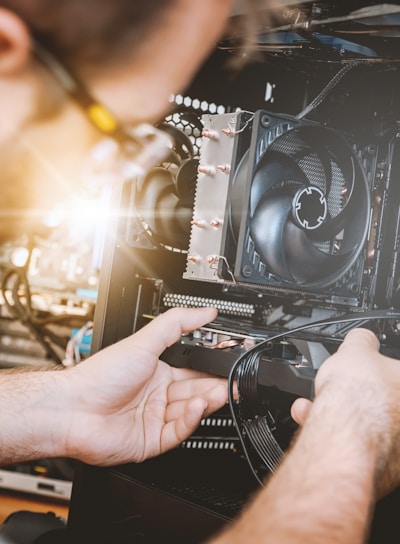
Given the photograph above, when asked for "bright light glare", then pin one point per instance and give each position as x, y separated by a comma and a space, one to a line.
81, 217
87, 215
19, 256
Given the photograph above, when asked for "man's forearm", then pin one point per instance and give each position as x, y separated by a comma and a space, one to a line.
30, 418
322, 493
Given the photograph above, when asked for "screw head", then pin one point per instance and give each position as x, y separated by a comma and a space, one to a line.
246, 271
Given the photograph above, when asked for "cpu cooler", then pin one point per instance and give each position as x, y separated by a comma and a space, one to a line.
307, 210
297, 210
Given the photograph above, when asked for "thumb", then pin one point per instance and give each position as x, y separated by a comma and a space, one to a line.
360, 339
300, 410
167, 328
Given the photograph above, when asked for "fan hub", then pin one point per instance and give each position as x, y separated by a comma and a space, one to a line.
310, 207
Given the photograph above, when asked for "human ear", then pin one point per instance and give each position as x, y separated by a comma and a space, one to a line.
15, 43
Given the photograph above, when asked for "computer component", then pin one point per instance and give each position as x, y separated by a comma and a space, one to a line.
298, 211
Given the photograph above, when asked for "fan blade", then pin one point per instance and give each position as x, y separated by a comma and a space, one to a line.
357, 199
307, 147
267, 229
236, 196
274, 169
172, 220
155, 183
305, 262
185, 180
331, 227
319, 155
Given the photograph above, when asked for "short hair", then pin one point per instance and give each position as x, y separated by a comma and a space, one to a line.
89, 32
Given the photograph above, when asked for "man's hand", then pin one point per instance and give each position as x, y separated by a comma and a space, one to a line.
368, 384
345, 456
127, 405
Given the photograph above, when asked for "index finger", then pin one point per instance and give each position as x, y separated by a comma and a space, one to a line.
167, 328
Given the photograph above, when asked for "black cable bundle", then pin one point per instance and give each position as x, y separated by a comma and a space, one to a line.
252, 424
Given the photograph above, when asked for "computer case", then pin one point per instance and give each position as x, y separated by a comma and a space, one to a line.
316, 113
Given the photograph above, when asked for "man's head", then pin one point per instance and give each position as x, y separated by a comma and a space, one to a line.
132, 55
112, 44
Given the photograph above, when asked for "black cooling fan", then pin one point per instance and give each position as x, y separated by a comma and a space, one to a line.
308, 207
164, 198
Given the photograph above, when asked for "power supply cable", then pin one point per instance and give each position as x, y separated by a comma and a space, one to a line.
321, 97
